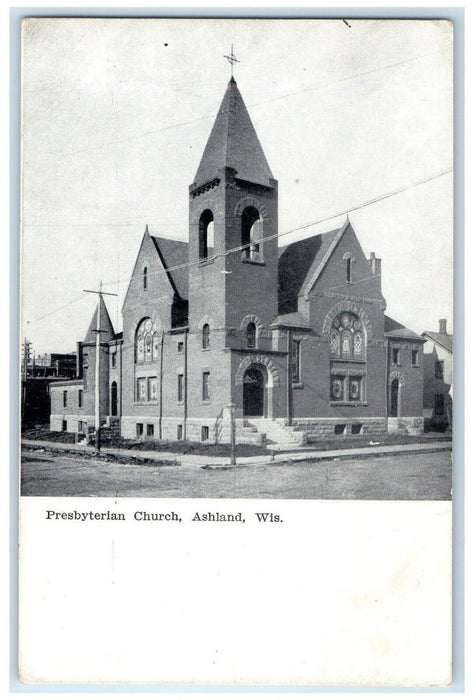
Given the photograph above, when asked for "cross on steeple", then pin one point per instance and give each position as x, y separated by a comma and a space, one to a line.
232, 59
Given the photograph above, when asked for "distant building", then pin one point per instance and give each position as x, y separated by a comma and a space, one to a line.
438, 376
37, 375
295, 337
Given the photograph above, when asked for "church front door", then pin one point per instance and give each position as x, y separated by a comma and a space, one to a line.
254, 386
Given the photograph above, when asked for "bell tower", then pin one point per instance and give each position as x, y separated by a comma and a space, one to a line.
233, 224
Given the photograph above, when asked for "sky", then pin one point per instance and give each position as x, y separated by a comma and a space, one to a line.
116, 114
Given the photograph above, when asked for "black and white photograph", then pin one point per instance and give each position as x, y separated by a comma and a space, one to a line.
237, 292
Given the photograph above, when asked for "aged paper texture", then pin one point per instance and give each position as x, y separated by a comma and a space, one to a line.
236, 328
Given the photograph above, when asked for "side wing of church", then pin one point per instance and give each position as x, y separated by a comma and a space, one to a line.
294, 339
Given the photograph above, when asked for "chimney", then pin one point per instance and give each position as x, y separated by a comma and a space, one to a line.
375, 264
79, 360
442, 326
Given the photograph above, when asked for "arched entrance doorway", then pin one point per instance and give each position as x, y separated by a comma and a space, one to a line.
253, 392
113, 399
394, 392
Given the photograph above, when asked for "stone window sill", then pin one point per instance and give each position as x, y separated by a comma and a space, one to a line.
348, 403
298, 385
253, 262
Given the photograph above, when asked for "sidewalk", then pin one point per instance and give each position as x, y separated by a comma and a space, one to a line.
212, 462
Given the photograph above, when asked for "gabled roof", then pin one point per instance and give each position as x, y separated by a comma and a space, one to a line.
393, 329
106, 327
173, 253
233, 143
443, 339
298, 263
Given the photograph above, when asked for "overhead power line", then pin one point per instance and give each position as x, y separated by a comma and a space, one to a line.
237, 249
195, 263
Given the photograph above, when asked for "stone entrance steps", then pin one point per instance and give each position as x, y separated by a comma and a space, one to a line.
278, 435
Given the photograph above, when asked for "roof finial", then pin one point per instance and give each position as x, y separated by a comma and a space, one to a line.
232, 59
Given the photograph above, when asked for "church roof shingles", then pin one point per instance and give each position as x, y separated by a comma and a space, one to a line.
233, 142
173, 253
106, 326
296, 263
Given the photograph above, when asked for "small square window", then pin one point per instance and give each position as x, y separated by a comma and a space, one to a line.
204, 433
356, 428
340, 429
150, 430
180, 346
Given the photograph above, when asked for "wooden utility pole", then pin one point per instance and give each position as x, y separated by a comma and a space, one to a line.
98, 331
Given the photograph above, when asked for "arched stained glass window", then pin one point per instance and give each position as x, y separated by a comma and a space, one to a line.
346, 345
346, 338
146, 341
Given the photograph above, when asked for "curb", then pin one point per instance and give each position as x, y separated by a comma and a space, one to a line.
282, 458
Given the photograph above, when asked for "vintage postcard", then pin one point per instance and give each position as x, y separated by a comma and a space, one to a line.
237, 352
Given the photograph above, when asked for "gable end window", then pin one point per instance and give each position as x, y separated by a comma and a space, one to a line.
147, 342
347, 338
145, 277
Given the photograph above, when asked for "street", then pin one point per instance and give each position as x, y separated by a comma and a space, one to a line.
395, 477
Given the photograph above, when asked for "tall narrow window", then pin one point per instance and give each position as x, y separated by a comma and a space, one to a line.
180, 387
79, 398
295, 361
206, 233
145, 277
64, 399
205, 386
251, 335
439, 369
205, 336
395, 356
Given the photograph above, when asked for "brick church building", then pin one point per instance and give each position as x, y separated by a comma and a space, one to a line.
295, 337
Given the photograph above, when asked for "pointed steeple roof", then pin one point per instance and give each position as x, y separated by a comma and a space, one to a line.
233, 143
106, 326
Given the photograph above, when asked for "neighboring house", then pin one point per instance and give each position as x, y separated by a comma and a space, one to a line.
295, 336
438, 377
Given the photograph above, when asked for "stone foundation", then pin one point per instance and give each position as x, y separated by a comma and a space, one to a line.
72, 422
172, 429
318, 428
410, 425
